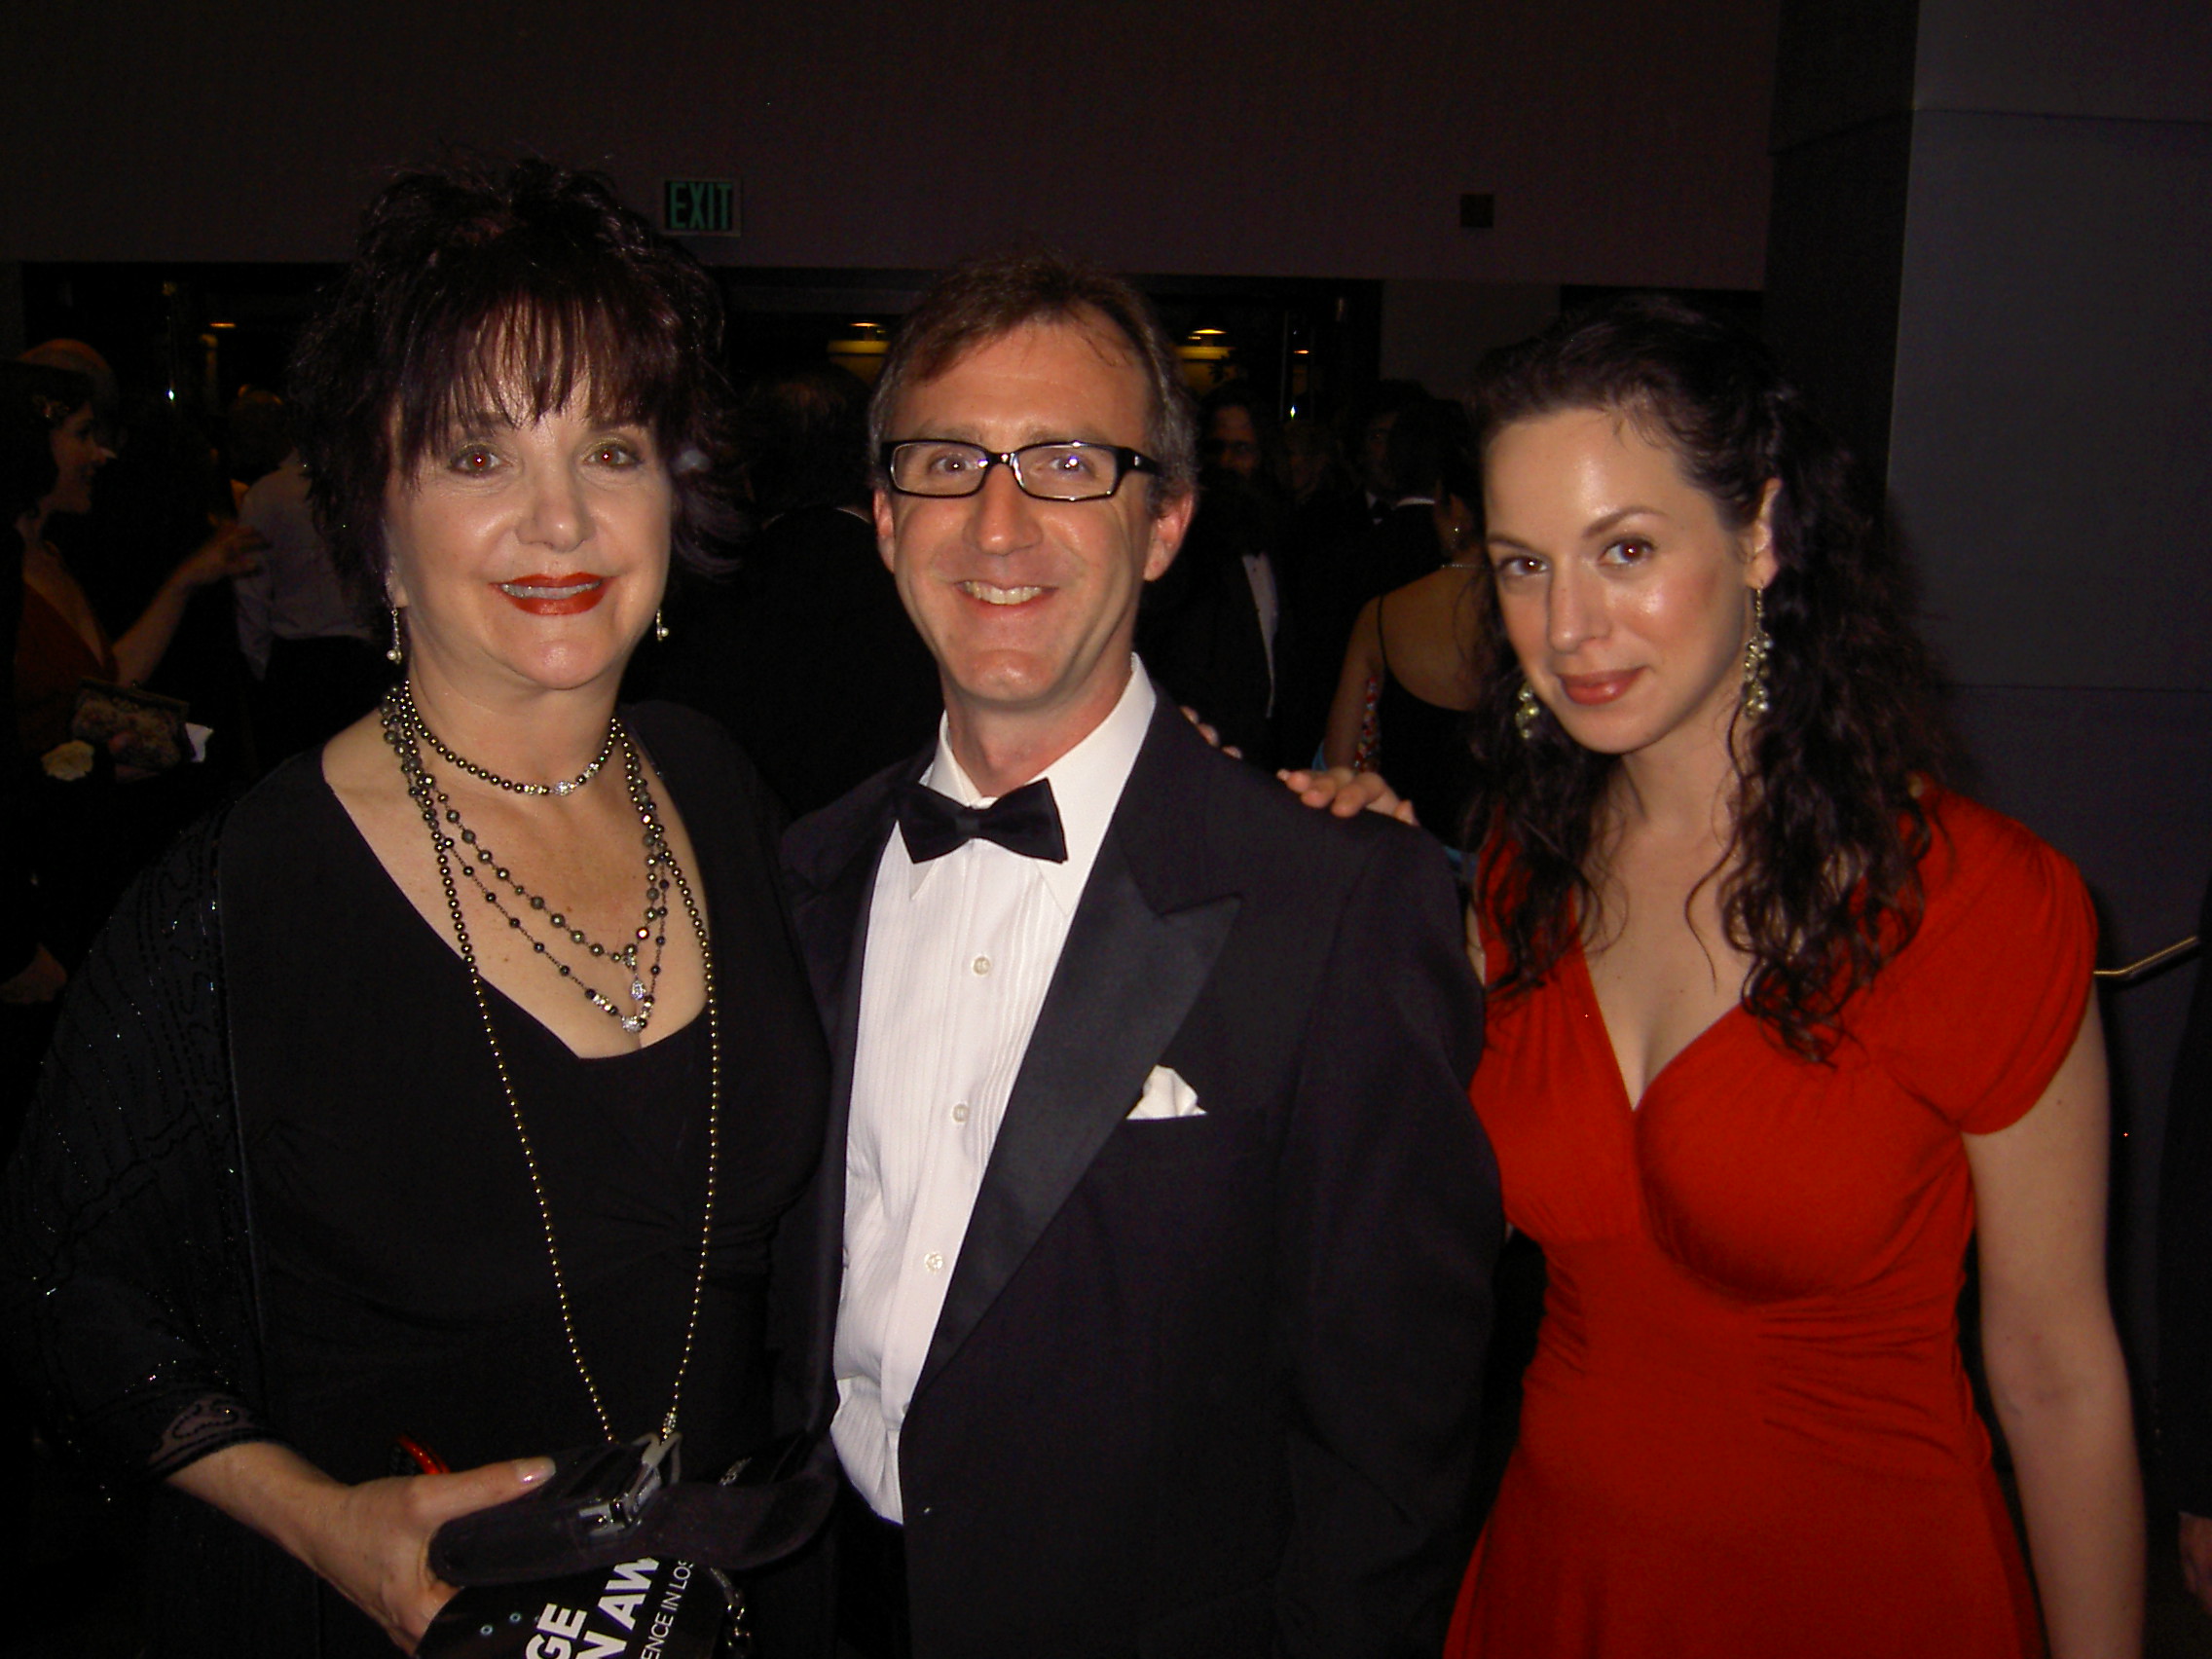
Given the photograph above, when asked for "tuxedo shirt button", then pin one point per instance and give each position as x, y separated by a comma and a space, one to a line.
934, 1261
960, 1113
982, 965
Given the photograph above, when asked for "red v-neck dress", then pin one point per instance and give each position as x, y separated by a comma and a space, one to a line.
1746, 1430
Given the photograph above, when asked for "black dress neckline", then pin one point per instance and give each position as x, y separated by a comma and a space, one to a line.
516, 1016
402, 1250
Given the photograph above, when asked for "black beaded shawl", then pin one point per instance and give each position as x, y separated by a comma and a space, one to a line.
128, 1278
126, 1269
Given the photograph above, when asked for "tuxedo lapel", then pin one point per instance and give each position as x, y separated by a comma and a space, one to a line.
1137, 954
829, 858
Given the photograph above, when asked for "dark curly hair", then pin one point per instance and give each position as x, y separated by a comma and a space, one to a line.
1822, 883
510, 287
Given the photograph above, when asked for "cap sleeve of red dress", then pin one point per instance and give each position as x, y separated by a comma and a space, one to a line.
1976, 1015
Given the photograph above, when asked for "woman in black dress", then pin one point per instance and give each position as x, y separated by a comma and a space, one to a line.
442, 1094
1413, 666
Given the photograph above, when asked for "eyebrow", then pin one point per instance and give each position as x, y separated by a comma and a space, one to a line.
484, 420
1596, 527
1599, 525
964, 433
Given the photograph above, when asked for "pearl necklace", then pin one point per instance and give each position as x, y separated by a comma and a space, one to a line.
404, 699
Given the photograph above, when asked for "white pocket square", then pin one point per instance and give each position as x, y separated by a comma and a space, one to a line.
1167, 1096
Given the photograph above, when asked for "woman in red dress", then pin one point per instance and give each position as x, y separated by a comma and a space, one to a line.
1777, 1024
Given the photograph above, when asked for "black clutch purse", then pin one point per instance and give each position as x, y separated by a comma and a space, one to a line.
621, 1502
664, 1609
614, 1556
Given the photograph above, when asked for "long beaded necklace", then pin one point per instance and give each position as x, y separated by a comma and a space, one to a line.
402, 727
404, 730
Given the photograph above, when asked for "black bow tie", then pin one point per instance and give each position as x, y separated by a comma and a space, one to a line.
1024, 821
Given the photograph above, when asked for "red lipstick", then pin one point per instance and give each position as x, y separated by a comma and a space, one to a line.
1588, 690
554, 596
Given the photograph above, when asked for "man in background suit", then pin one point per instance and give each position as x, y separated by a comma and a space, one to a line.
1219, 631
1205, 635
803, 653
1165, 1227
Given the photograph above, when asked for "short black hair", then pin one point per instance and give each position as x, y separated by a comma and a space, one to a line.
517, 286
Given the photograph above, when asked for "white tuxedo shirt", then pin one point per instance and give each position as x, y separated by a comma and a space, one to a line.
960, 953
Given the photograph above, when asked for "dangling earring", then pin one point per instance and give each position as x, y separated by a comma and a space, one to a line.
1526, 709
398, 651
660, 628
1755, 650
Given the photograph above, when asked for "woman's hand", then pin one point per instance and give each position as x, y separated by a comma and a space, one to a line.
2196, 1558
372, 1542
234, 551
1343, 792
41, 980
1348, 793
1208, 733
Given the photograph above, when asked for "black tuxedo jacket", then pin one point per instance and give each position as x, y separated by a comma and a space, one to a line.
1201, 1385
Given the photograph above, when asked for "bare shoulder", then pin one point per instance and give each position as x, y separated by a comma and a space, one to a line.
362, 772
358, 758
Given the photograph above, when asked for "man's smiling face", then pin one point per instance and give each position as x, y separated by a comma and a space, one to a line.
1029, 607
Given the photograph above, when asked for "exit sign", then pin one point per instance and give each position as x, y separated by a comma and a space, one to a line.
700, 208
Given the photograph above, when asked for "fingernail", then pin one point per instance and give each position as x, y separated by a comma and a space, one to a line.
531, 1470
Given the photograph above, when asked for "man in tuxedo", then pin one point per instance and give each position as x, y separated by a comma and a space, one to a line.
1163, 1224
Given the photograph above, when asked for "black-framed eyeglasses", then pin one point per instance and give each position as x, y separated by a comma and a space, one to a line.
1070, 471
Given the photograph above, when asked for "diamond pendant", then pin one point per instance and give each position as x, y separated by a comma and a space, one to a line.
636, 989
631, 1022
